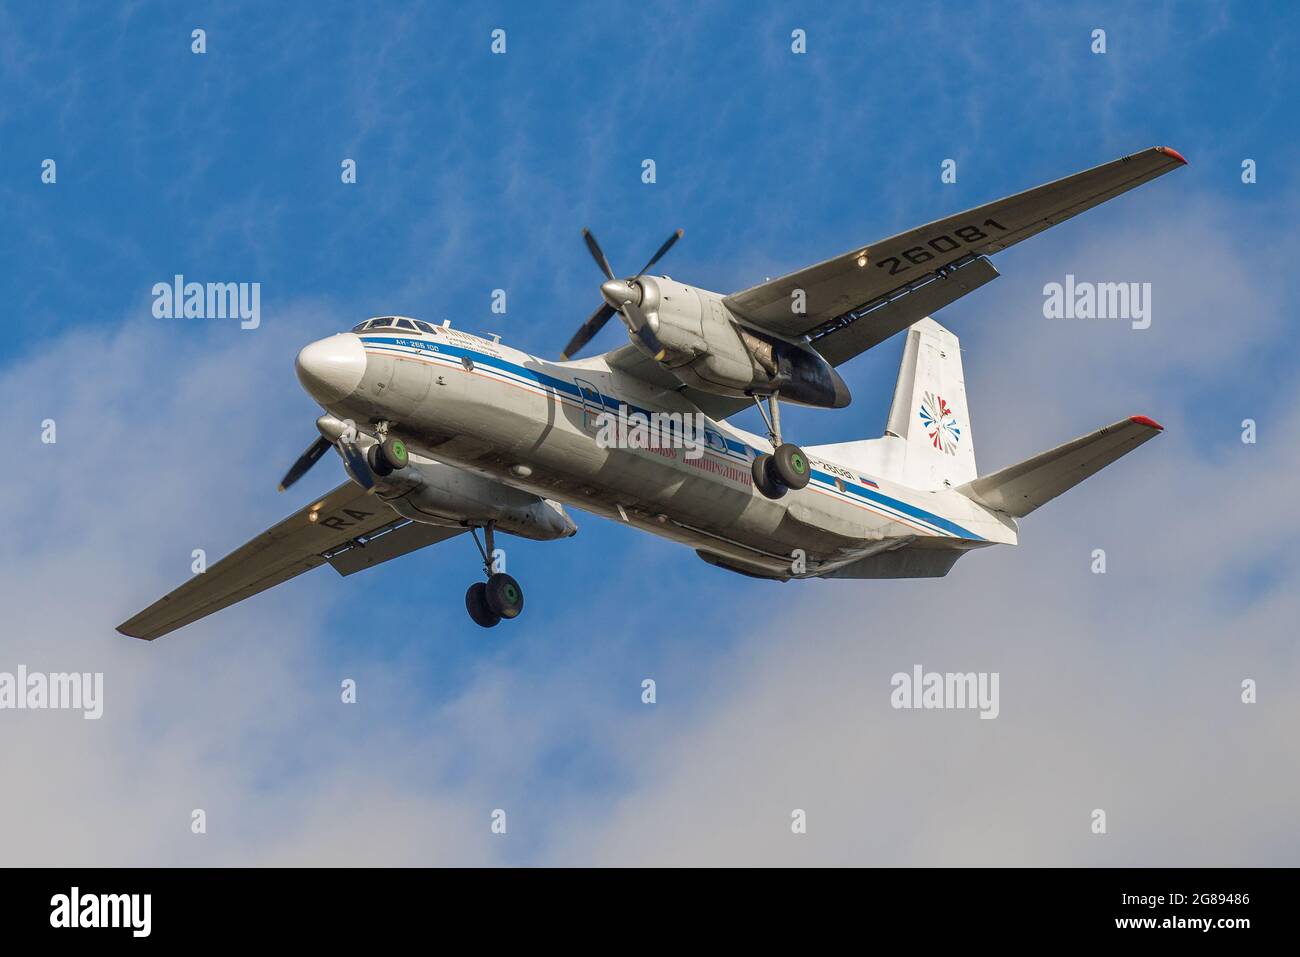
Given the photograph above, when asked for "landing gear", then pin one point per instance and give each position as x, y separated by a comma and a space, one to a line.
497, 598
791, 466
764, 478
786, 467
504, 596
477, 606
386, 457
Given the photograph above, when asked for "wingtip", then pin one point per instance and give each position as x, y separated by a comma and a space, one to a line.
1146, 420
1170, 151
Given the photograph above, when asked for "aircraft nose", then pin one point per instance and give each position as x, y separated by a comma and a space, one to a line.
331, 369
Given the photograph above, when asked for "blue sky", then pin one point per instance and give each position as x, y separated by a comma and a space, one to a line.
478, 172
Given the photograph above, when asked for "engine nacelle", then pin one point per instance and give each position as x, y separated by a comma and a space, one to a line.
711, 351
438, 494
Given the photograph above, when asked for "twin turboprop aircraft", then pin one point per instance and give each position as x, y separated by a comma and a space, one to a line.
441, 432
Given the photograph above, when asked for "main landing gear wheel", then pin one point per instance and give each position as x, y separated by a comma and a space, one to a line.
477, 605
790, 465
388, 456
787, 466
500, 597
504, 596
765, 478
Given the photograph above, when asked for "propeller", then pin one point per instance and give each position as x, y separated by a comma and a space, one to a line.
622, 296
354, 460
305, 462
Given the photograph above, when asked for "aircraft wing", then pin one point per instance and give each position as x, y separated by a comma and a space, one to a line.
339, 528
852, 288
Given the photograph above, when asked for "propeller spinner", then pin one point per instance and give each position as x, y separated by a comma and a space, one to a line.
622, 296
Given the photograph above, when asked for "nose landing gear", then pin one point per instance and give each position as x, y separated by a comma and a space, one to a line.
787, 466
497, 598
386, 457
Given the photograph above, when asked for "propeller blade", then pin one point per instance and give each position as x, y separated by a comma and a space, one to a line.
617, 293
305, 461
597, 254
355, 462
587, 331
668, 244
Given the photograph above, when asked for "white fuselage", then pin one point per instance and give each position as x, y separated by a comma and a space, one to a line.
533, 425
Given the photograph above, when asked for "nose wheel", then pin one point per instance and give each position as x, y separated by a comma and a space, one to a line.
388, 456
786, 467
500, 597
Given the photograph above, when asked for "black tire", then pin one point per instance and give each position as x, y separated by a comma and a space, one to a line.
378, 464
504, 596
395, 453
477, 606
764, 479
790, 465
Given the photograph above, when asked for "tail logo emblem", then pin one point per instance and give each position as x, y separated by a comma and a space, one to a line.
940, 423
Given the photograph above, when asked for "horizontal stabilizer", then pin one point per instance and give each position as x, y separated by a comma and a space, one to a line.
911, 562
1019, 489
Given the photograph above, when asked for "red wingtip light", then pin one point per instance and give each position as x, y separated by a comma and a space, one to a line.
1170, 151
1147, 421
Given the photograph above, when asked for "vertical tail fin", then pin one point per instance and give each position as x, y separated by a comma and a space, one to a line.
929, 411
927, 442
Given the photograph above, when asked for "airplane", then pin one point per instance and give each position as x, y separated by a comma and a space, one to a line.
442, 432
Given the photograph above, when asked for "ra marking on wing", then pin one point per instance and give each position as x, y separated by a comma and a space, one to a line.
338, 522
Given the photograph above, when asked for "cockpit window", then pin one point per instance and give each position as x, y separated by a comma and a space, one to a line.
392, 322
